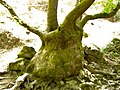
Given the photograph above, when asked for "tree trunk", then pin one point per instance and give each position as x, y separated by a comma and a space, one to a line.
61, 56
52, 22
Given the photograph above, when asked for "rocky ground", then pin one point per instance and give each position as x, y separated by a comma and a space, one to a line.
101, 72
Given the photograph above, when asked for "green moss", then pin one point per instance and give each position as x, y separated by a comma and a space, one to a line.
58, 64
19, 65
62, 55
85, 34
27, 52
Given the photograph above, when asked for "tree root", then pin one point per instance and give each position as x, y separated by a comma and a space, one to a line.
98, 72
19, 81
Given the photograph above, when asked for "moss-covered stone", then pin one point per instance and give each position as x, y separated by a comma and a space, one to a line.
23, 59
57, 64
86, 86
27, 52
19, 65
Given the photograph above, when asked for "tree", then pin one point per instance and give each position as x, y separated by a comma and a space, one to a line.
61, 54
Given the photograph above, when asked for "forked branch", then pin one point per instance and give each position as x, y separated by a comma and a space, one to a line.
77, 11
97, 71
21, 22
100, 15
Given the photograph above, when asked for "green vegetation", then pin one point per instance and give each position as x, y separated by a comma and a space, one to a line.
109, 5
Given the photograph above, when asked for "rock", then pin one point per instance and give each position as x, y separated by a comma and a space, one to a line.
19, 65
23, 59
27, 52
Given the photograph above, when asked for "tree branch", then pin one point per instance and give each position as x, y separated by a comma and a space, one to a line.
22, 23
52, 22
77, 11
100, 15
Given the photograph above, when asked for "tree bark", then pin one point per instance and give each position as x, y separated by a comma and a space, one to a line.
62, 54
52, 22
77, 2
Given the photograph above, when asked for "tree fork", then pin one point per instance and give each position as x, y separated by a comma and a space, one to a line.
76, 12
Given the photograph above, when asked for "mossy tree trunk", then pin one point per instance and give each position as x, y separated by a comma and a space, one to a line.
52, 22
61, 54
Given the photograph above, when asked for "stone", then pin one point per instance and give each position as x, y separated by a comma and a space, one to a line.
27, 52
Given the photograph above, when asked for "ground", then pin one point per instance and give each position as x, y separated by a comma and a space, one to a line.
101, 72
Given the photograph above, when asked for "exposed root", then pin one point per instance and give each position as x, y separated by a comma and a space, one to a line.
97, 71
19, 81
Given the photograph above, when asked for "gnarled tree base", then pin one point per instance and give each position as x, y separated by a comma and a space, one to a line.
61, 56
